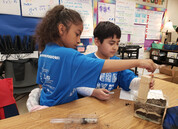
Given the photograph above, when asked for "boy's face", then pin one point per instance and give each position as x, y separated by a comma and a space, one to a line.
108, 48
70, 38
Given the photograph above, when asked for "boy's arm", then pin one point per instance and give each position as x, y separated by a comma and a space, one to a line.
101, 94
119, 65
85, 91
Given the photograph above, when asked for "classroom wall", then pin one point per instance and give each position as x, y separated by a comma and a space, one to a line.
172, 9
18, 25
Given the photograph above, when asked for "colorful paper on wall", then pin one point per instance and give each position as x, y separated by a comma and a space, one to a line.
37, 8
153, 28
138, 37
125, 15
10, 7
84, 7
106, 12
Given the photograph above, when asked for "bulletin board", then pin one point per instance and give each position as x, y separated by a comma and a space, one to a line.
146, 26
19, 17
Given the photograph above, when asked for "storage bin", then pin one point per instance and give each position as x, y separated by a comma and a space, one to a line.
157, 46
170, 47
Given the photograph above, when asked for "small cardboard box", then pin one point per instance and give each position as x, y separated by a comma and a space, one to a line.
166, 70
175, 75
163, 77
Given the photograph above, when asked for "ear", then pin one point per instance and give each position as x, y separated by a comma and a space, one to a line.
97, 41
61, 29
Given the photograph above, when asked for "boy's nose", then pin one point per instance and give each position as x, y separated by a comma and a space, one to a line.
78, 40
115, 47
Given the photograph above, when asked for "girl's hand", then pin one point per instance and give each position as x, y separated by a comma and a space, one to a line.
101, 94
148, 64
152, 82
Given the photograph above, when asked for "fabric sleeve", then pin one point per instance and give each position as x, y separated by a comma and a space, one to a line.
85, 91
124, 79
86, 71
135, 83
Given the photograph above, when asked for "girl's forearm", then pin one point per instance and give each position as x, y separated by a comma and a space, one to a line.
119, 65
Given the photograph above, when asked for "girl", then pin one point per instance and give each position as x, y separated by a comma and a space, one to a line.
61, 69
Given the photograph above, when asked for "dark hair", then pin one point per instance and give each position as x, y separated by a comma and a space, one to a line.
177, 29
47, 30
105, 30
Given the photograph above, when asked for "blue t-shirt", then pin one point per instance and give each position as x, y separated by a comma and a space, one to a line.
110, 81
61, 70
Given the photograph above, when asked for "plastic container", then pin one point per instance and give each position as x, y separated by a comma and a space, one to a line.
151, 112
157, 46
170, 47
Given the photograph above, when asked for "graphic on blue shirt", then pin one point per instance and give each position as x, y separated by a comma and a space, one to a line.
110, 81
61, 70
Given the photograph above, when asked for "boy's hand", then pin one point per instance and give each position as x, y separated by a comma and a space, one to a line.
152, 82
101, 94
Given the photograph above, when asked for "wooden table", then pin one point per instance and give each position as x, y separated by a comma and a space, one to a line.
112, 114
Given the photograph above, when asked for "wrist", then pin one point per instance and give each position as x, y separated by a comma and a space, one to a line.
93, 93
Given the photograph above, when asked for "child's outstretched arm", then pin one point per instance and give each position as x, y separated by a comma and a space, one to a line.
119, 65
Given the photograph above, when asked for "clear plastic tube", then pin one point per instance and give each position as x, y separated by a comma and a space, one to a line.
75, 120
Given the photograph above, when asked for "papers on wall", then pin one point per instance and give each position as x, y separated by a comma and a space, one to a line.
84, 7
125, 15
124, 38
153, 28
10, 7
37, 8
138, 37
106, 12
141, 16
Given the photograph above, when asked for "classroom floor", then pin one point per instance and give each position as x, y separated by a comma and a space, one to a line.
21, 99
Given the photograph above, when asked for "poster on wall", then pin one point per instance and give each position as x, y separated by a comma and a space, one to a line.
106, 12
37, 8
10, 7
138, 37
84, 7
153, 3
125, 15
141, 16
153, 28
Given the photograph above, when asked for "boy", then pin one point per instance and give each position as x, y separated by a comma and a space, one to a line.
107, 37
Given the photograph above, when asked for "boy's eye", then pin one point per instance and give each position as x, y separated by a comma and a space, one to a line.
77, 34
111, 43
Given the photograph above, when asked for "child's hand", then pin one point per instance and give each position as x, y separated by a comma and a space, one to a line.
101, 94
148, 64
152, 82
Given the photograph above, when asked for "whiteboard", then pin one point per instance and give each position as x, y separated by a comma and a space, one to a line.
37, 8
106, 12
84, 7
125, 15
10, 7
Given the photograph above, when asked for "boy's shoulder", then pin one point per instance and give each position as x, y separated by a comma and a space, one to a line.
115, 57
91, 55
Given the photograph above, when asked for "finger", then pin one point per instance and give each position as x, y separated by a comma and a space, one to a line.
106, 91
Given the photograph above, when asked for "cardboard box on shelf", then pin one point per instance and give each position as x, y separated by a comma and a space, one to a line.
175, 75
163, 77
166, 70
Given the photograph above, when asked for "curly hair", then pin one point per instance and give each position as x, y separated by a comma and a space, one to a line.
177, 29
105, 30
47, 29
